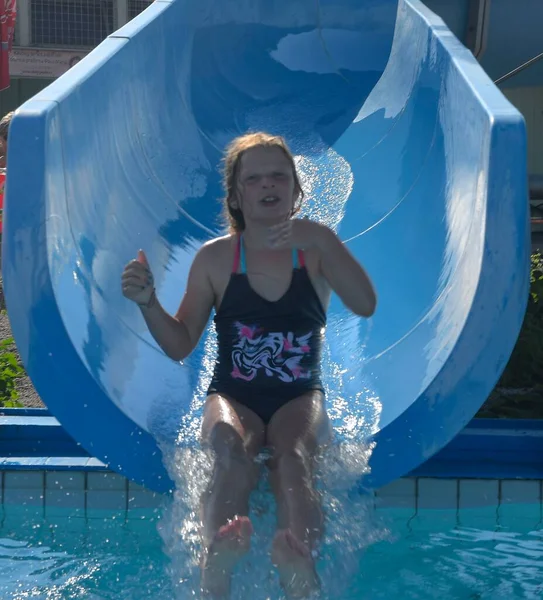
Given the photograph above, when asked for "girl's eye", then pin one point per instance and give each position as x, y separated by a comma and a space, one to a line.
279, 175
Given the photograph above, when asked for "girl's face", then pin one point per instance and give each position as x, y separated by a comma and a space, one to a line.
266, 190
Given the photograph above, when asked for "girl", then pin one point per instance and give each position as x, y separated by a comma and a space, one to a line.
269, 281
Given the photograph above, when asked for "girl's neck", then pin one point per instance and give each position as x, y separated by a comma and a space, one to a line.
255, 236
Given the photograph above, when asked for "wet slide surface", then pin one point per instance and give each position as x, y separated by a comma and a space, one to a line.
404, 147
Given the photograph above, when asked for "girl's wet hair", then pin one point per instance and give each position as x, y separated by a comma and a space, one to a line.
232, 161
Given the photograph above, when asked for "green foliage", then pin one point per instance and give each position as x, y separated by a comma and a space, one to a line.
525, 367
10, 370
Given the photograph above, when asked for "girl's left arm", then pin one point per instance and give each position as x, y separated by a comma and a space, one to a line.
344, 273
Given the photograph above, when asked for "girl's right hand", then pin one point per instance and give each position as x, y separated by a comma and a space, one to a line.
137, 280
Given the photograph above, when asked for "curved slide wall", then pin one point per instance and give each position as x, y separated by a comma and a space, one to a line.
405, 148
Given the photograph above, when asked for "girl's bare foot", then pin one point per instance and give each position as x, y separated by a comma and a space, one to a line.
229, 545
295, 565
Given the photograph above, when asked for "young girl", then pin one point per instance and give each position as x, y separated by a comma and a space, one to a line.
269, 281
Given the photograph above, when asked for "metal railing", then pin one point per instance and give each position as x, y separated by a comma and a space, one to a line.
519, 69
72, 23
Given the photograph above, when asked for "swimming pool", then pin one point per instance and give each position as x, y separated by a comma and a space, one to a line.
417, 538
466, 524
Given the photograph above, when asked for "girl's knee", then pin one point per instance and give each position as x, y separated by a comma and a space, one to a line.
291, 458
225, 442
230, 454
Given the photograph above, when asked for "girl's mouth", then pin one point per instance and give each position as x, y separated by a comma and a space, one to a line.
270, 200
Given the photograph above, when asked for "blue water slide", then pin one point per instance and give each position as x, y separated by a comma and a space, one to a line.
405, 147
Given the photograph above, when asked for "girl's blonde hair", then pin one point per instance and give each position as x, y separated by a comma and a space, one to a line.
232, 161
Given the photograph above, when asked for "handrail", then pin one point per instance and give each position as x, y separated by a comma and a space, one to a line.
519, 69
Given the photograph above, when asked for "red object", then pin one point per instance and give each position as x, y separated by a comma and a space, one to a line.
8, 11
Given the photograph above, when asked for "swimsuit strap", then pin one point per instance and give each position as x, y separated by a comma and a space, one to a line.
242, 255
235, 266
298, 258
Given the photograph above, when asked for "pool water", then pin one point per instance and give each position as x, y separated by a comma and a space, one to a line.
433, 555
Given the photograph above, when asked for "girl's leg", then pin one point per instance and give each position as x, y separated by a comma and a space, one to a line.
235, 434
296, 433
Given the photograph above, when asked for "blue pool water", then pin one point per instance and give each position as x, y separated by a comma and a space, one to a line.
433, 555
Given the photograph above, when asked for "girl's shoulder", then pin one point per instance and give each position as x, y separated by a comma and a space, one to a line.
217, 253
219, 245
215, 258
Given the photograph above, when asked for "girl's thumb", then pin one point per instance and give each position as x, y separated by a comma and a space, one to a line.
142, 258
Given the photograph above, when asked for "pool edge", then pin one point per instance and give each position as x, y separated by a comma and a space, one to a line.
492, 462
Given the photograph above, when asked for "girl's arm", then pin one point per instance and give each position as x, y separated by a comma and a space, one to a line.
344, 273
338, 266
178, 335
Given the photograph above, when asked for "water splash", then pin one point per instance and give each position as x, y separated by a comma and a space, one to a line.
190, 468
351, 525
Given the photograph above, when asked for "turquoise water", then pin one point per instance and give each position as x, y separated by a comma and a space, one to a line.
433, 555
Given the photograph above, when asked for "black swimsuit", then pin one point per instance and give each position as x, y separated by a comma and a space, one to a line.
268, 352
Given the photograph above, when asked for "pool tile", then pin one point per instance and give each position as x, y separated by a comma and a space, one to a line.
106, 481
478, 503
24, 480
65, 503
437, 494
113, 500
520, 492
65, 480
520, 500
24, 489
478, 493
397, 494
21, 499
